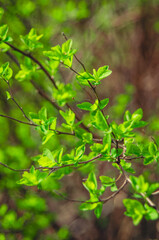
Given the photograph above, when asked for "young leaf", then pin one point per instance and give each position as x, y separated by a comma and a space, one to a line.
91, 183
148, 160
134, 209
139, 184
79, 152
8, 95
3, 32
63, 94
152, 148
33, 178
5, 71
152, 188
31, 40
127, 116
87, 138
66, 47
69, 117
98, 210
47, 137
107, 143
103, 103
151, 213
103, 72
98, 121
107, 181
88, 206
43, 114
85, 106
126, 166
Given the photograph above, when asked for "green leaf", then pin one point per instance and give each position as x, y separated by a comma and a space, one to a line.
47, 137
79, 152
47, 159
62, 54
8, 95
151, 213
127, 116
132, 149
5, 71
87, 138
91, 183
126, 166
85, 106
66, 47
48, 154
152, 148
58, 155
152, 188
54, 54
107, 143
98, 121
69, 116
84, 77
31, 40
43, 114
96, 147
137, 115
107, 181
148, 160
32, 178
139, 124
88, 206
103, 103
52, 123
103, 72
63, 94
134, 209
3, 32
139, 184
44, 161
98, 210
116, 166
27, 70
34, 117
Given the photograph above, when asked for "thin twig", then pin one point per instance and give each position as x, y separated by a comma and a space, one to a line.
75, 54
34, 60
51, 168
13, 58
128, 159
14, 119
68, 199
36, 125
44, 95
47, 74
100, 200
115, 193
72, 164
40, 91
13, 99
23, 170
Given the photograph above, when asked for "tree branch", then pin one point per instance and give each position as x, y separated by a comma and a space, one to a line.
34, 60
48, 75
53, 169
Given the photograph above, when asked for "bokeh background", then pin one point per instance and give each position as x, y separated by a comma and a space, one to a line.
122, 34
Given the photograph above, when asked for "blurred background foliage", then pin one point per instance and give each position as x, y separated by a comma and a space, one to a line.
123, 34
